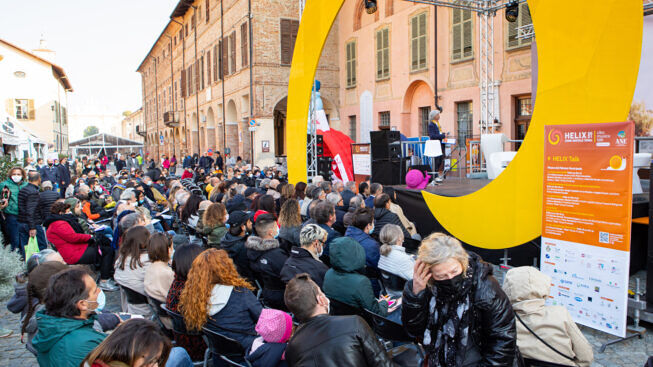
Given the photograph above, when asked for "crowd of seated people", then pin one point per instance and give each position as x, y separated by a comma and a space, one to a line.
241, 253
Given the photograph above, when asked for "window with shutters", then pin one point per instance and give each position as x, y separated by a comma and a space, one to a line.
352, 127
225, 58
192, 23
384, 119
182, 84
383, 54
21, 109
208, 67
464, 121
186, 27
461, 29
232, 50
351, 63
424, 120
201, 72
289, 30
243, 44
523, 19
208, 10
418, 48
196, 81
216, 55
389, 7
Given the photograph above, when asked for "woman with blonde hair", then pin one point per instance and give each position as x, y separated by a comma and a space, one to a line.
218, 298
458, 308
287, 192
213, 224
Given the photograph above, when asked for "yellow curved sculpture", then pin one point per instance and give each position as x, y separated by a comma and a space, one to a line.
588, 64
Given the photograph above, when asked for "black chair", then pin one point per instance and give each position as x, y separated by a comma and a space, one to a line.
133, 297
391, 331
179, 327
338, 308
160, 316
228, 350
411, 245
392, 282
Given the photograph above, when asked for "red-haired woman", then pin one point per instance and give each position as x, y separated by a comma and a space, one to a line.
217, 298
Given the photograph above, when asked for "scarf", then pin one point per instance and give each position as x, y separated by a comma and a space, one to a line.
448, 331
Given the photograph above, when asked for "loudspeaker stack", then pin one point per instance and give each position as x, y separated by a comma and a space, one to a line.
388, 168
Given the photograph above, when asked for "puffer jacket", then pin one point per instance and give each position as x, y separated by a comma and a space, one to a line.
214, 234
235, 247
266, 259
28, 206
383, 216
344, 282
492, 326
528, 288
302, 261
335, 341
14, 188
46, 199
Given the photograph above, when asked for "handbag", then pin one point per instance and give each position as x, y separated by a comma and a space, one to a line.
542, 340
31, 248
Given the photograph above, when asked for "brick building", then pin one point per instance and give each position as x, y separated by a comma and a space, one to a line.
210, 58
388, 70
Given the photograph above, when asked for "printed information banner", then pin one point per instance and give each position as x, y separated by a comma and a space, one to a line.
586, 221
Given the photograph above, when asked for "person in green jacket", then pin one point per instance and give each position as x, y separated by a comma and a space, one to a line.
212, 224
9, 189
344, 281
65, 328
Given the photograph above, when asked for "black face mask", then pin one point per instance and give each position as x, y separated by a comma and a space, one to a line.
450, 286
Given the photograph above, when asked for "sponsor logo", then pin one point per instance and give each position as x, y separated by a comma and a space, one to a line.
597, 280
562, 281
581, 285
554, 137
622, 134
578, 299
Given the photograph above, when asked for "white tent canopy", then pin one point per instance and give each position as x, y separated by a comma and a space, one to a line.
104, 144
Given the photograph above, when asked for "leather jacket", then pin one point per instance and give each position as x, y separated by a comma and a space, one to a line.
336, 341
492, 327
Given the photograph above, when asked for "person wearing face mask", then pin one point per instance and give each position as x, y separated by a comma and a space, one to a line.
314, 342
65, 327
454, 302
306, 259
234, 243
266, 259
9, 204
50, 172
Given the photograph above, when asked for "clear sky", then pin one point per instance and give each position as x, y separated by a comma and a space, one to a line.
644, 90
99, 43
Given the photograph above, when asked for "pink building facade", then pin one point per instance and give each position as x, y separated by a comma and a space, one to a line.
387, 70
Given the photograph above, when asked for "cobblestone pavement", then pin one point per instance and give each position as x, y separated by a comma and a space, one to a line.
631, 353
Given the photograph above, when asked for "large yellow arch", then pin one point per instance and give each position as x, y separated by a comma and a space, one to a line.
588, 64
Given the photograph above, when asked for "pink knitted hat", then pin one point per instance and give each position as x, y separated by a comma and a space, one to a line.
274, 326
416, 180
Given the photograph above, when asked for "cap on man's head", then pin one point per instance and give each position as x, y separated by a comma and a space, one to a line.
250, 191
237, 218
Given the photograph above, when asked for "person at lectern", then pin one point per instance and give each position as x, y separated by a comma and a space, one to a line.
435, 133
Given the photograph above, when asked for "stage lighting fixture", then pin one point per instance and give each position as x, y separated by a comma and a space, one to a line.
512, 11
370, 6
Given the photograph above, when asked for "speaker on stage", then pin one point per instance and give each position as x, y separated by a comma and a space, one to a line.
386, 144
389, 171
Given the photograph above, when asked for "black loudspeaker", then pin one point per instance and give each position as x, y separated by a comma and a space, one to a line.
389, 171
385, 144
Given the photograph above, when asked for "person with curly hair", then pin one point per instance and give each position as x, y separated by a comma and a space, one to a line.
218, 298
213, 224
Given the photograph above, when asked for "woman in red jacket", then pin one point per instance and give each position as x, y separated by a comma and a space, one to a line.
76, 247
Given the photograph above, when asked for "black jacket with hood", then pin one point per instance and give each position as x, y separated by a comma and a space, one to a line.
266, 259
235, 247
383, 216
302, 261
492, 326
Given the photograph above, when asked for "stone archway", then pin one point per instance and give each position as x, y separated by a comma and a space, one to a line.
210, 129
231, 123
418, 100
280, 126
195, 135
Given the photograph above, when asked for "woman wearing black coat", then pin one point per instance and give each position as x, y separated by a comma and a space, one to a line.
383, 216
454, 303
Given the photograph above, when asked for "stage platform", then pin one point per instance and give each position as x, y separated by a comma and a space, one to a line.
416, 211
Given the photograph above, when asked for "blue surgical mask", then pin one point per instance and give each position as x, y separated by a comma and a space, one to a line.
372, 229
101, 301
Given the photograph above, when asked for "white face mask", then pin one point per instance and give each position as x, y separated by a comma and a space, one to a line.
16, 178
226, 218
101, 300
98, 189
319, 254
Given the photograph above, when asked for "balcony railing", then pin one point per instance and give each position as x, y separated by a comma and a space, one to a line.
170, 119
140, 131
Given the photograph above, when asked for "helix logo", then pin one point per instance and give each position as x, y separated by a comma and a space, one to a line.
554, 137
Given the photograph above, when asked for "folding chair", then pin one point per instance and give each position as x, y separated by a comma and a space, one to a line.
160, 316
393, 332
228, 350
179, 327
343, 309
392, 283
